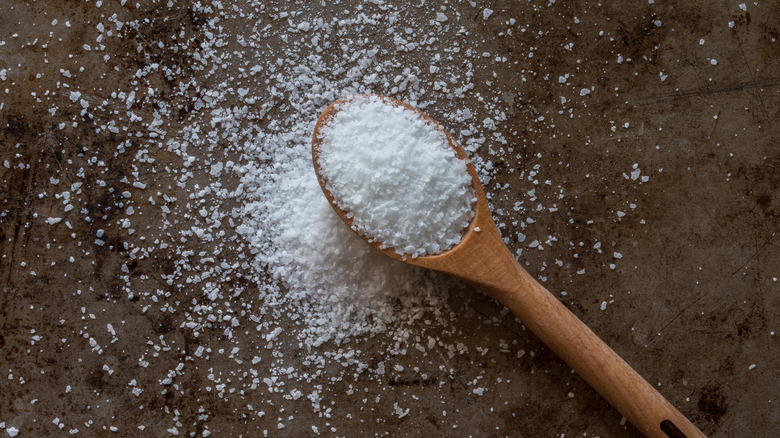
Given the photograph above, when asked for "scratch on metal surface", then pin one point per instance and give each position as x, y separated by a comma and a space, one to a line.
752, 76
682, 311
768, 83
754, 254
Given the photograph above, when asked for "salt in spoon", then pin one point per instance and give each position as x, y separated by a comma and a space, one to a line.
482, 260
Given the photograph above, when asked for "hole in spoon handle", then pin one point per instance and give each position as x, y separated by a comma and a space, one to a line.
671, 430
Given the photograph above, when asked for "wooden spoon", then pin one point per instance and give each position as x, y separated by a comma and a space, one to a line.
483, 260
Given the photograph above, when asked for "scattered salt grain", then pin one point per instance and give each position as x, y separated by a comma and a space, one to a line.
308, 273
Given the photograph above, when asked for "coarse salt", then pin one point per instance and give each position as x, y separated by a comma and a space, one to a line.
396, 176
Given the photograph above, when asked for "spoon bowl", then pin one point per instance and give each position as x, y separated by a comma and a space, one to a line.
482, 260
482, 216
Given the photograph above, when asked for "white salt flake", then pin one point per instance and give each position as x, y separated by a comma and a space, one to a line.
376, 156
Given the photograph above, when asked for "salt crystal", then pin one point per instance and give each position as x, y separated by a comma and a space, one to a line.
396, 176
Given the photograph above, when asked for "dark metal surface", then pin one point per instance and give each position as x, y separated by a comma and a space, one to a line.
692, 301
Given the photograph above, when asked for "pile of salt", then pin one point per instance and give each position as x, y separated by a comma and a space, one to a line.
396, 176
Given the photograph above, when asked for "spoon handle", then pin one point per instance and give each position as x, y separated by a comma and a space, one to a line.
587, 354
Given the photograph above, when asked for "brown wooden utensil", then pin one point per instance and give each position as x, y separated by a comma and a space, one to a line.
483, 260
